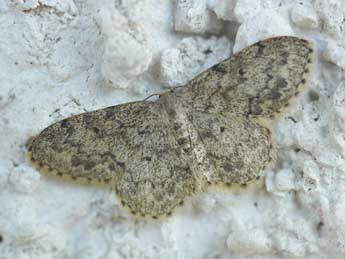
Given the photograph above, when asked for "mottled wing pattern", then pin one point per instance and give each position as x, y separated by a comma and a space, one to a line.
156, 154
82, 146
226, 103
238, 149
260, 80
130, 145
222, 147
157, 177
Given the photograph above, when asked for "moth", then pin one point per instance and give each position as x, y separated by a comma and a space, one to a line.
214, 130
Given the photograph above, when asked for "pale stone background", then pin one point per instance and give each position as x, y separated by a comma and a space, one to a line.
63, 57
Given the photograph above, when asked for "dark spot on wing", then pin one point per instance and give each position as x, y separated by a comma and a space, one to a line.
219, 69
65, 123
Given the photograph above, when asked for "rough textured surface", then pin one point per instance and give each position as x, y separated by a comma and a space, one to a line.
156, 154
194, 16
51, 59
192, 55
126, 54
304, 15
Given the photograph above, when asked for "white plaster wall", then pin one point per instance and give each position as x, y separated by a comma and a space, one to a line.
63, 57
